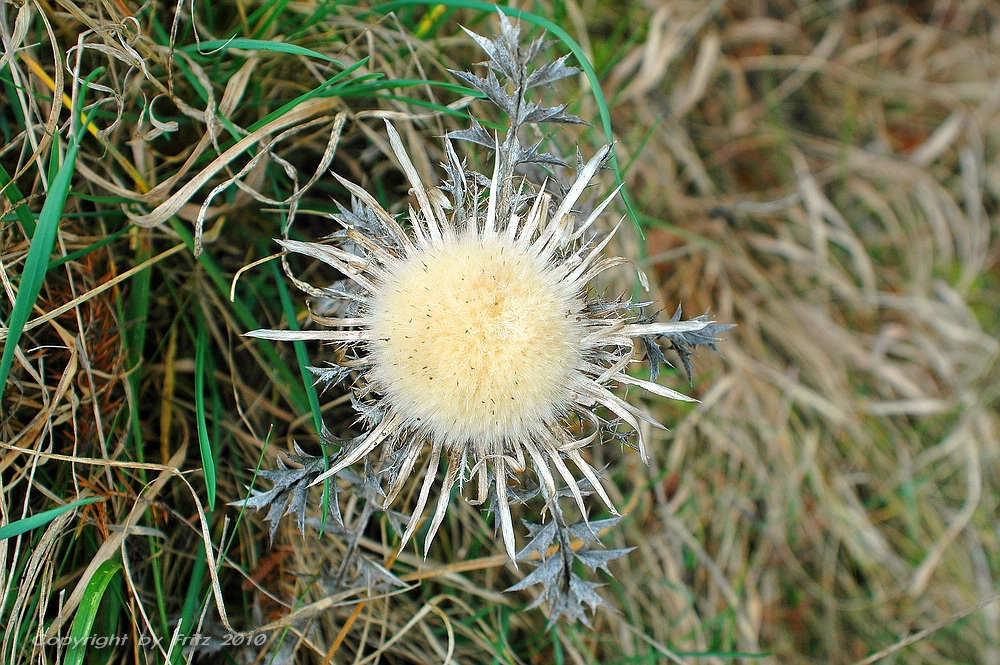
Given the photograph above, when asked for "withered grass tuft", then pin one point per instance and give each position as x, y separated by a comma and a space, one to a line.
823, 176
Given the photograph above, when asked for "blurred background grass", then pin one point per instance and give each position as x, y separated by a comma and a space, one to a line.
825, 175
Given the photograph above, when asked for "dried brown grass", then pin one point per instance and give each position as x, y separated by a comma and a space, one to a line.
823, 176
827, 179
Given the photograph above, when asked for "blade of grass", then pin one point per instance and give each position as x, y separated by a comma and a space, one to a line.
327, 87
430, 20
246, 318
192, 606
36, 264
266, 15
15, 197
87, 611
320, 14
356, 89
83, 119
410, 101
10, 90
73, 256
204, 48
135, 316
332, 87
198, 573
26, 524
308, 381
204, 444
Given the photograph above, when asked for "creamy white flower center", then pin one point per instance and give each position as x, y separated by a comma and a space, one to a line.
477, 340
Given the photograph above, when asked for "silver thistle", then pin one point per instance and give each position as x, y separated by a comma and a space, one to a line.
470, 333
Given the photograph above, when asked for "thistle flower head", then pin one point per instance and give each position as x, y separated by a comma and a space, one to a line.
476, 339
472, 331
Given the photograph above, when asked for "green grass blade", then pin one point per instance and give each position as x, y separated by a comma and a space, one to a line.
327, 88
73, 256
136, 316
257, 45
14, 196
20, 526
266, 15
193, 602
204, 444
36, 264
308, 380
246, 319
389, 84
87, 611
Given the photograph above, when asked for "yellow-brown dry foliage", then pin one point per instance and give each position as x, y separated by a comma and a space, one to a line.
823, 175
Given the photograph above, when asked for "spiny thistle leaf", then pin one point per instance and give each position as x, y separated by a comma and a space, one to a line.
598, 559
542, 537
332, 375
490, 86
554, 114
551, 72
511, 62
565, 592
474, 134
682, 343
375, 576
588, 531
548, 573
288, 494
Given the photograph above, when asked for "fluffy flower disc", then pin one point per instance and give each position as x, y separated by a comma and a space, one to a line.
477, 341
